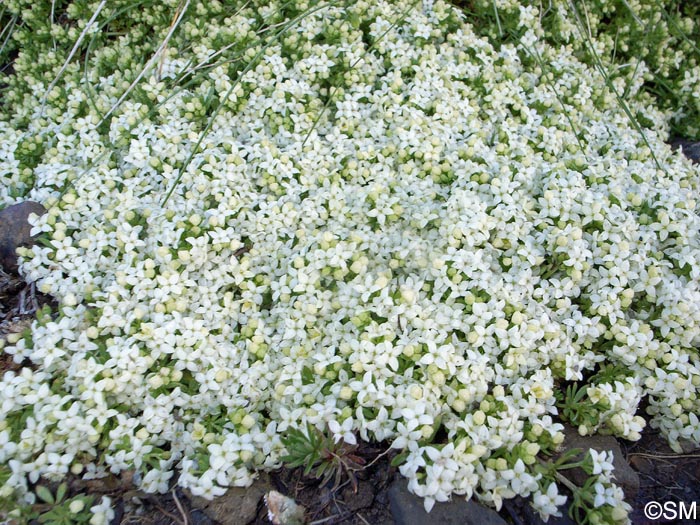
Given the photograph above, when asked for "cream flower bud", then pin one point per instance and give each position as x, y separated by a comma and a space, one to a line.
76, 506
346, 393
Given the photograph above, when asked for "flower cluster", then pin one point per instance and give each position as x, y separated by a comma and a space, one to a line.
365, 218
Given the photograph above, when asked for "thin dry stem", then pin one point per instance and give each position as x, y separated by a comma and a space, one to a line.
664, 456
363, 519
180, 508
87, 28
368, 465
156, 56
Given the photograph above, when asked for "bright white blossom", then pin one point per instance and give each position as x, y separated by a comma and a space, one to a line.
386, 227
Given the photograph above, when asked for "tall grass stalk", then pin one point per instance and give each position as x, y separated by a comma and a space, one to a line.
85, 31
253, 62
7, 31
536, 55
587, 39
179, 14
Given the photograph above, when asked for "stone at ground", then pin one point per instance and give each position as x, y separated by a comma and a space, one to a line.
238, 506
642, 464
407, 509
664, 474
625, 476
14, 231
283, 510
197, 517
691, 149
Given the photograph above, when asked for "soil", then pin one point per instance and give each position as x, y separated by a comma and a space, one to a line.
367, 502
19, 302
664, 476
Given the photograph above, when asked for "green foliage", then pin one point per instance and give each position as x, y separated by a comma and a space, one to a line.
583, 507
50, 508
577, 409
321, 456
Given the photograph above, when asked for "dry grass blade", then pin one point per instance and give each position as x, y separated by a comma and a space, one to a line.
76, 46
542, 65
180, 508
218, 53
53, 20
179, 14
6, 33
380, 456
173, 24
663, 456
163, 511
588, 41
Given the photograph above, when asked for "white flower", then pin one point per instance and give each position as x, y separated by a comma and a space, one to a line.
343, 431
521, 481
384, 225
102, 513
602, 462
547, 504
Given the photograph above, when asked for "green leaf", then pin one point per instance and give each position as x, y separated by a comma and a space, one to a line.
399, 459
313, 434
311, 462
321, 469
61, 492
44, 494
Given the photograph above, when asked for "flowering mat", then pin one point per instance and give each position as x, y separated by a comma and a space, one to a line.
327, 234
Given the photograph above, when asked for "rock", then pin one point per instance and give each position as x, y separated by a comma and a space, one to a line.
642, 464
690, 149
197, 517
238, 506
283, 510
14, 231
407, 509
625, 476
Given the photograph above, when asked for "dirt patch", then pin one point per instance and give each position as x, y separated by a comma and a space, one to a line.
366, 503
19, 303
664, 476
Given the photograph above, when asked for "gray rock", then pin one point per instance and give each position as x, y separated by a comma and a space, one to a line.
14, 231
688, 446
408, 509
197, 517
691, 149
238, 506
625, 476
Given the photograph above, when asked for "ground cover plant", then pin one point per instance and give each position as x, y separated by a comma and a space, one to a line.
453, 230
